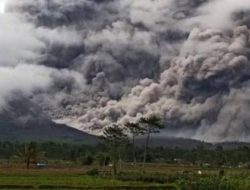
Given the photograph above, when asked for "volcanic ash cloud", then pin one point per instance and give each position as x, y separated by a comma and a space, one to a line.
115, 61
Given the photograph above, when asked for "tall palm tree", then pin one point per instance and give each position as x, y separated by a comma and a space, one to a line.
113, 139
135, 130
152, 124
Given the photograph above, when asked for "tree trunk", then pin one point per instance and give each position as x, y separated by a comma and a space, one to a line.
28, 163
134, 156
103, 164
120, 160
146, 150
115, 159
114, 168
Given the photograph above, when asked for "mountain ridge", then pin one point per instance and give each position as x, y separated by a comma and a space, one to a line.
43, 130
37, 129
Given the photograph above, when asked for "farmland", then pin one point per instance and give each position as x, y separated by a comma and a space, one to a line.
118, 164
156, 176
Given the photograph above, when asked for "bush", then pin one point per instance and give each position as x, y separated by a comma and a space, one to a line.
88, 160
93, 172
103, 159
214, 183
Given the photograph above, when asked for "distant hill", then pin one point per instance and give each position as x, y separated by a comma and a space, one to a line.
23, 121
42, 130
173, 142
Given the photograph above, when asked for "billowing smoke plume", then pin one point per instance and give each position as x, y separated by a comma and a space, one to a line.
89, 63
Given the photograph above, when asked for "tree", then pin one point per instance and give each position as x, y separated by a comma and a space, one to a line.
29, 153
151, 125
219, 156
103, 159
135, 130
113, 138
88, 159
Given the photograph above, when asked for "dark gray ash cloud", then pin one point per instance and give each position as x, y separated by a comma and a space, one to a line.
89, 63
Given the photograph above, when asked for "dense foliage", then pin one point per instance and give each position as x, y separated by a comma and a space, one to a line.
87, 154
212, 183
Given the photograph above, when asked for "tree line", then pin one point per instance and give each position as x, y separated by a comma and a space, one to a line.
118, 145
98, 154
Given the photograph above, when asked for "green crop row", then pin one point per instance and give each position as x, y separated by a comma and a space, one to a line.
68, 187
215, 183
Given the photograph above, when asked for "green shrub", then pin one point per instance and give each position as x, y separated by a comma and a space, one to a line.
214, 183
103, 159
93, 172
88, 160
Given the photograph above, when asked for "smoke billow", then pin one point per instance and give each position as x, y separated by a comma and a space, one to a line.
89, 63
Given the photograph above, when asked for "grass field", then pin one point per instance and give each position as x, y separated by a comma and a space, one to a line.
157, 176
